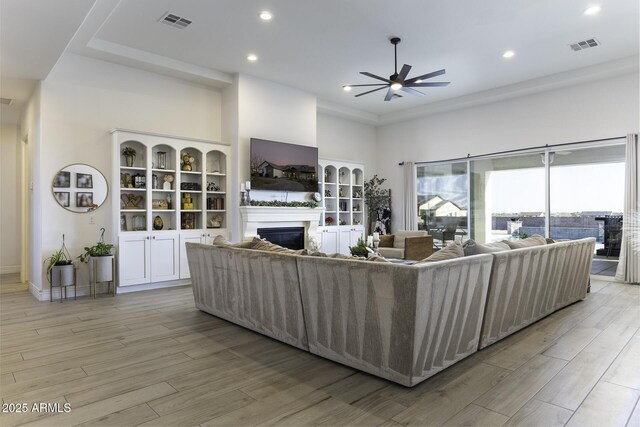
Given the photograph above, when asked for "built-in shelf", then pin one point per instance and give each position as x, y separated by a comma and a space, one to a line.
216, 210
160, 190
163, 210
216, 192
133, 210
191, 172
125, 189
133, 168
216, 174
191, 191
163, 170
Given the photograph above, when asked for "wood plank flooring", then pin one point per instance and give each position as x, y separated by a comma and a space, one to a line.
151, 358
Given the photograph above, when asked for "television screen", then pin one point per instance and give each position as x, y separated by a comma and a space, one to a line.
276, 166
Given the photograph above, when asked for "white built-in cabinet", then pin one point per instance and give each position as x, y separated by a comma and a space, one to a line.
342, 187
190, 202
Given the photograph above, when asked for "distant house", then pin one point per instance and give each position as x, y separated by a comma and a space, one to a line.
295, 172
438, 207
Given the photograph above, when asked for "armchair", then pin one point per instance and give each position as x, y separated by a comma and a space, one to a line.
405, 244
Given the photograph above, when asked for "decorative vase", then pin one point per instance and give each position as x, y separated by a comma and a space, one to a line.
157, 223
102, 267
129, 160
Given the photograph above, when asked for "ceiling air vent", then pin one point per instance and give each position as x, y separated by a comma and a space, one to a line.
6, 101
584, 44
174, 20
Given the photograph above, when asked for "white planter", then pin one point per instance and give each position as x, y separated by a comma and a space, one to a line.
62, 275
103, 266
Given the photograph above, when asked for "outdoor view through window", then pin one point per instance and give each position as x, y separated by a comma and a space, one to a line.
508, 197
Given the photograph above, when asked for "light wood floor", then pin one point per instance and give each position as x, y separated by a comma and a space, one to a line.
151, 358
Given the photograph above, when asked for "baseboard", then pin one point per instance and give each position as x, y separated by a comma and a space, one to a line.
83, 290
150, 286
9, 269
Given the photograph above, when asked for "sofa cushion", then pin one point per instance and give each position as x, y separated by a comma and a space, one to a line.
451, 251
400, 235
471, 247
386, 241
535, 240
391, 252
220, 240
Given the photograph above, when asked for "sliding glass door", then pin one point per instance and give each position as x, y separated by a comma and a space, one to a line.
508, 197
443, 201
587, 195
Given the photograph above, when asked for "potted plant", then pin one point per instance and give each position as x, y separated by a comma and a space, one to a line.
360, 249
129, 154
100, 259
60, 267
377, 199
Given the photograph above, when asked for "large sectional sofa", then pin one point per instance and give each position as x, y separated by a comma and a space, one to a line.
401, 322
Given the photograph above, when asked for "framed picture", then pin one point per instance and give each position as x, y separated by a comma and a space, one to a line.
63, 198
84, 180
84, 200
62, 180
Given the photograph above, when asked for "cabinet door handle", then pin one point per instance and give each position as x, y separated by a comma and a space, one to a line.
147, 237
154, 237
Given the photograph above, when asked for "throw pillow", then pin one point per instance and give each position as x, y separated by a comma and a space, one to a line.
386, 241
471, 247
451, 251
220, 240
376, 258
535, 240
264, 245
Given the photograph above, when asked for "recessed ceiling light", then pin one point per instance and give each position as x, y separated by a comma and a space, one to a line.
251, 57
396, 86
508, 54
265, 15
346, 88
593, 10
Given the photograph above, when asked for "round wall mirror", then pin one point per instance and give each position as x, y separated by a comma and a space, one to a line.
79, 188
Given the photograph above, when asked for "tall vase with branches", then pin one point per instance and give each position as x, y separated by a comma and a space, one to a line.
377, 198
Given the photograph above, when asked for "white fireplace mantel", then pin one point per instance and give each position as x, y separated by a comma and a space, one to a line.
254, 217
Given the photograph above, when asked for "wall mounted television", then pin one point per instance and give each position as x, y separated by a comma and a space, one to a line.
277, 166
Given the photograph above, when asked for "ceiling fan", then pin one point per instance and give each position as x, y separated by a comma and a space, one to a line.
398, 81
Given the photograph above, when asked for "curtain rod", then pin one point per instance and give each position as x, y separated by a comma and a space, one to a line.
469, 156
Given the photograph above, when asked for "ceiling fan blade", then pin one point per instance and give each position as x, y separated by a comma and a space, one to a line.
364, 93
429, 84
390, 94
412, 91
404, 72
426, 76
364, 73
374, 84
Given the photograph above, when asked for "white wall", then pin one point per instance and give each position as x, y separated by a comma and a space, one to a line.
10, 238
257, 108
30, 130
347, 140
275, 112
82, 100
600, 109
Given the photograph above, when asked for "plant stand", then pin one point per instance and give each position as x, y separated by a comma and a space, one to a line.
102, 269
62, 276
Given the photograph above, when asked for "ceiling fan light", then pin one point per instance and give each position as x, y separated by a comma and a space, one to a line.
418, 81
396, 86
593, 10
346, 88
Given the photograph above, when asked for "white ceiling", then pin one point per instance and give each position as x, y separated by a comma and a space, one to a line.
318, 46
